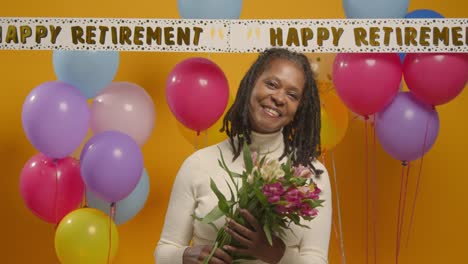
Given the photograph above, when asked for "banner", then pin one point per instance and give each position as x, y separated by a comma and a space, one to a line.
231, 36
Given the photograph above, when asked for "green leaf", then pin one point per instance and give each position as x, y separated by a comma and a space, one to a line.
213, 215
266, 229
230, 173
261, 197
222, 202
247, 158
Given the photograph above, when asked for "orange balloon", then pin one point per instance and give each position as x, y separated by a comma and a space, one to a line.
335, 119
207, 137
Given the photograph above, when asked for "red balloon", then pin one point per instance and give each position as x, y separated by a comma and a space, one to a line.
436, 79
51, 189
197, 92
367, 82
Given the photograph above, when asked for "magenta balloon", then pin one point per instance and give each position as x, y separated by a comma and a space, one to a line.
111, 165
401, 127
367, 82
197, 92
55, 119
436, 78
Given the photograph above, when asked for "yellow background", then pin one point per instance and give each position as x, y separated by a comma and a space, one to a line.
439, 234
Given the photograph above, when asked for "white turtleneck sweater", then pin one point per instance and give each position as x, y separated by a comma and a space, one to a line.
191, 194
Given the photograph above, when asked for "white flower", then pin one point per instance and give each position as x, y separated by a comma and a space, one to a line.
271, 170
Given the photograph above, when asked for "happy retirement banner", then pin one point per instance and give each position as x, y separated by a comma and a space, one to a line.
226, 36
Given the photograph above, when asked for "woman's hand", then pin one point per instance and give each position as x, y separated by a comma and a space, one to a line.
254, 241
196, 255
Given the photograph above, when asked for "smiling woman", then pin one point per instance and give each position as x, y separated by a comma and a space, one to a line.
276, 112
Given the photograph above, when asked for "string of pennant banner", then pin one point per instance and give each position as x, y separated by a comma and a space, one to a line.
235, 36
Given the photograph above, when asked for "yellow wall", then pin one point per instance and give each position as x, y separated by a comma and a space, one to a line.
439, 233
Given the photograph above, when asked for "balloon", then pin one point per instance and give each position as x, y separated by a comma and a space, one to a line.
127, 208
124, 107
111, 165
55, 118
401, 127
375, 8
207, 137
367, 82
436, 79
423, 13
51, 189
209, 9
197, 93
420, 13
89, 71
84, 236
334, 118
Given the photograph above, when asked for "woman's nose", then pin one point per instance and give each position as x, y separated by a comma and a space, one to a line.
278, 97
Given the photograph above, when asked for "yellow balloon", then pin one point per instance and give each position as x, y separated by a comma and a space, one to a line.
83, 237
207, 137
334, 120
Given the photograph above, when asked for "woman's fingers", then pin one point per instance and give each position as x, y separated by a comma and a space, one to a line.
237, 250
244, 241
251, 219
244, 231
222, 255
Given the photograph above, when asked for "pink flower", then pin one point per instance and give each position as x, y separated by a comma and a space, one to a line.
254, 158
273, 189
307, 211
281, 209
274, 199
303, 172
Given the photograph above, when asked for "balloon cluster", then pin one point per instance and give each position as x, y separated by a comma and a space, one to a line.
56, 118
407, 123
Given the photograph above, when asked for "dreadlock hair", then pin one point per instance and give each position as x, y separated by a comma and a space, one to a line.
301, 136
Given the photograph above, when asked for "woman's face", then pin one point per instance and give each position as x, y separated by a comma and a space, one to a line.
276, 96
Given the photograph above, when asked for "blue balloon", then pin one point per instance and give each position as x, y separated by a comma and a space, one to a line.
424, 13
420, 14
89, 71
375, 8
127, 208
209, 9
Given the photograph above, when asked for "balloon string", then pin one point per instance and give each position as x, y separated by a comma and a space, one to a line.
85, 199
405, 192
402, 180
111, 218
417, 184
367, 192
56, 195
343, 257
374, 190
196, 140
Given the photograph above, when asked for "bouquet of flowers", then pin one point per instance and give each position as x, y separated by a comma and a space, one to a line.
275, 194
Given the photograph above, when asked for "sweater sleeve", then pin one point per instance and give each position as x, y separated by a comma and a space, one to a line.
178, 225
313, 247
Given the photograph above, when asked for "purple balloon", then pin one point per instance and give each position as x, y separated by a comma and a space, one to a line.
401, 127
111, 165
55, 118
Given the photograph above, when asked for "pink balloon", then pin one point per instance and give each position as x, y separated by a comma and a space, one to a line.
124, 107
436, 78
197, 92
51, 189
367, 82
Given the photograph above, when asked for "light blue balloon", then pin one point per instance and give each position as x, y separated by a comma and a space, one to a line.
375, 8
89, 71
127, 208
209, 9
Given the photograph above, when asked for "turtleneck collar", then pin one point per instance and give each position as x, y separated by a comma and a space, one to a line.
268, 143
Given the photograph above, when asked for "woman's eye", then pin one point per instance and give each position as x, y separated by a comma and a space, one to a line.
293, 96
270, 84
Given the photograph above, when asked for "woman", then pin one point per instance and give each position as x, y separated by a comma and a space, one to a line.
277, 111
